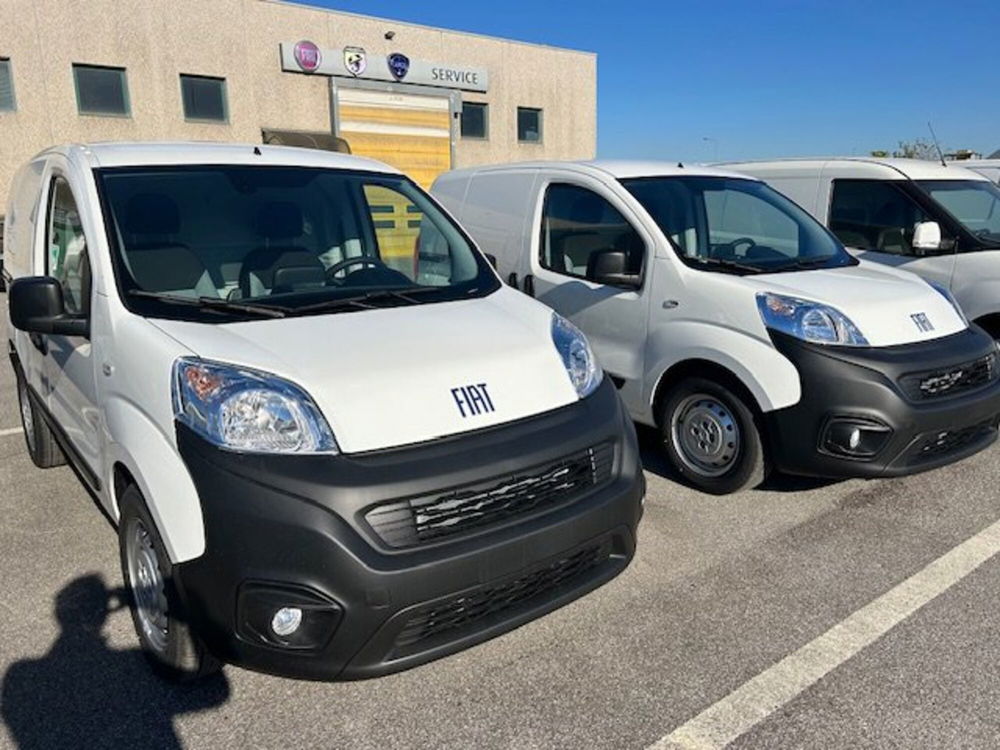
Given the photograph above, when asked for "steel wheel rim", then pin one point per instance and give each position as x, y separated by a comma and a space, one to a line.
27, 417
706, 435
148, 589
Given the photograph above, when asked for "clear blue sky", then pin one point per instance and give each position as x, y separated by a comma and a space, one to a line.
765, 78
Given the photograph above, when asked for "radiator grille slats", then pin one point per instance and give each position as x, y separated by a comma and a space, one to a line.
449, 513
952, 381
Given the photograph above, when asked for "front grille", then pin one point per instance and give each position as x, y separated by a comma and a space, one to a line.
473, 608
419, 520
952, 381
945, 443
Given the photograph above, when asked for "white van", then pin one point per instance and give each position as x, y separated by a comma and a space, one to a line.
942, 222
735, 323
335, 445
989, 168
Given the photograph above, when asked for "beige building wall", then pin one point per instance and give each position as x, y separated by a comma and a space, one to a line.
156, 41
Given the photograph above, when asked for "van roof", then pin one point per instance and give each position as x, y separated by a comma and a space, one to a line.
156, 153
870, 166
621, 169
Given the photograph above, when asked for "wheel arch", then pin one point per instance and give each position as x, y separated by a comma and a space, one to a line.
702, 368
990, 323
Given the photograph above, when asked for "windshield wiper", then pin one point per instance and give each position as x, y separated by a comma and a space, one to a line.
213, 303
803, 263
363, 300
727, 263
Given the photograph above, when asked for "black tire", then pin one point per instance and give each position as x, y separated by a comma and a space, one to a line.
179, 656
728, 434
38, 437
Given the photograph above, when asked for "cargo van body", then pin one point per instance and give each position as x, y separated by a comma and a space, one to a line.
941, 222
733, 322
330, 453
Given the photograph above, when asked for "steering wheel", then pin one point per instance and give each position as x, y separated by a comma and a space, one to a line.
748, 241
361, 260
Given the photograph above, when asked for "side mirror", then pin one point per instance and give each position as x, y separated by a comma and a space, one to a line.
37, 306
611, 267
926, 236
492, 260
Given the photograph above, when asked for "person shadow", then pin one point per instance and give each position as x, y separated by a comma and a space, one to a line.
84, 694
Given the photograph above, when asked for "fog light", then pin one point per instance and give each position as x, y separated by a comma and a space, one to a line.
286, 621
854, 437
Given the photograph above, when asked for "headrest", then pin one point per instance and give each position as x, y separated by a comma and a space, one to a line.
279, 220
152, 213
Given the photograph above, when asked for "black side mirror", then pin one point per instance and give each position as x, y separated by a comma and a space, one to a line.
492, 260
611, 267
37, 306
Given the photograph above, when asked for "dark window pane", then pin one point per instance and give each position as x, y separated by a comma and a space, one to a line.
100, 91
529, 125
204, 98
874, 215
6, 86
474, 120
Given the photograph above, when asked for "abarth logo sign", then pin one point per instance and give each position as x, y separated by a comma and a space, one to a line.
922, 322
355, 60
399, 65
307, 56
472, 400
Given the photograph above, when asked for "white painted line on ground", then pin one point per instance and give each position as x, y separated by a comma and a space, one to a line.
11, 431
758, 698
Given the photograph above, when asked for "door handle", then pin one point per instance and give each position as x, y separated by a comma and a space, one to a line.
529, 285
512, 280
38, 341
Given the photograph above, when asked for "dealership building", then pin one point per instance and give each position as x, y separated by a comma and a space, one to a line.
263, 71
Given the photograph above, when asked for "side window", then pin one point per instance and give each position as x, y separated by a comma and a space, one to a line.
874, 215
66, 249
578, 225
407, 243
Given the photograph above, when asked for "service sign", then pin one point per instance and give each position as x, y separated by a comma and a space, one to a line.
304, 56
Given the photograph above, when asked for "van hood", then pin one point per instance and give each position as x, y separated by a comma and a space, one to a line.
384, 378
882, 302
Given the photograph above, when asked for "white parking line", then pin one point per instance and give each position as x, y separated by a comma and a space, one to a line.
758, 698
11, 431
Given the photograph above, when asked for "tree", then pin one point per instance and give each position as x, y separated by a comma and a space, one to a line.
918, 149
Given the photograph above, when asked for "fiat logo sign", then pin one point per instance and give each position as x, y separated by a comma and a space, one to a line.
308, 56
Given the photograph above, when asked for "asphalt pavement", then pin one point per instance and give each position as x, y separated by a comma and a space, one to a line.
722, 591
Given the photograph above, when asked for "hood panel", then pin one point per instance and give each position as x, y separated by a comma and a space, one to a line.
879, 300
384, 378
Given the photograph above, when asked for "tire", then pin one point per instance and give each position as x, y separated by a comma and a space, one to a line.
172, 649
38, 437
712, 438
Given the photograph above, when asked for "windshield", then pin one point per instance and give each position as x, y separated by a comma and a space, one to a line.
736, 225
215, 243
975, 203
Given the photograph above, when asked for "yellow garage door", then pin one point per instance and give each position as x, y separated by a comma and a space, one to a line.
412, 133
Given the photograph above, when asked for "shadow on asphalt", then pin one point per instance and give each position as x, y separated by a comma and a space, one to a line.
84, 694
653, 461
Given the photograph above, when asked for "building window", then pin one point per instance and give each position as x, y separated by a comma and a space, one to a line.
529, 125
204, 98
6, 86
475, 120
101, 91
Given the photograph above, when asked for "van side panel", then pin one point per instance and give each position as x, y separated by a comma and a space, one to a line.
495, 211
21, 219
772, 379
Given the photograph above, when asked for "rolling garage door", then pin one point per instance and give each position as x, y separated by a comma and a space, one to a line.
412, 133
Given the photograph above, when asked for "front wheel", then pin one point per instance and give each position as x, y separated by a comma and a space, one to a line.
167, 641
711, 437
42, 446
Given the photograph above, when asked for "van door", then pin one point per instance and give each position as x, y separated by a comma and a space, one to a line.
70, 391
577, 220
875, 218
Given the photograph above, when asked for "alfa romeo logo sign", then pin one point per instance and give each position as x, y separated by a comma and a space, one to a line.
307, 56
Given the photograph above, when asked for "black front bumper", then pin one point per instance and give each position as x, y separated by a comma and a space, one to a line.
869, 385
296, 529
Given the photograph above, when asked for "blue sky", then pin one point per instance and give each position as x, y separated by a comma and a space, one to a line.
760, 79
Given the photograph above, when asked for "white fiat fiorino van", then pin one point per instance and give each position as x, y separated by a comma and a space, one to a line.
942, 222
735, 323
335, 445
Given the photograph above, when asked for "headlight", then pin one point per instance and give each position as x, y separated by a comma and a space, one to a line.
809, 321
244, 410
943, 291
581, 366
